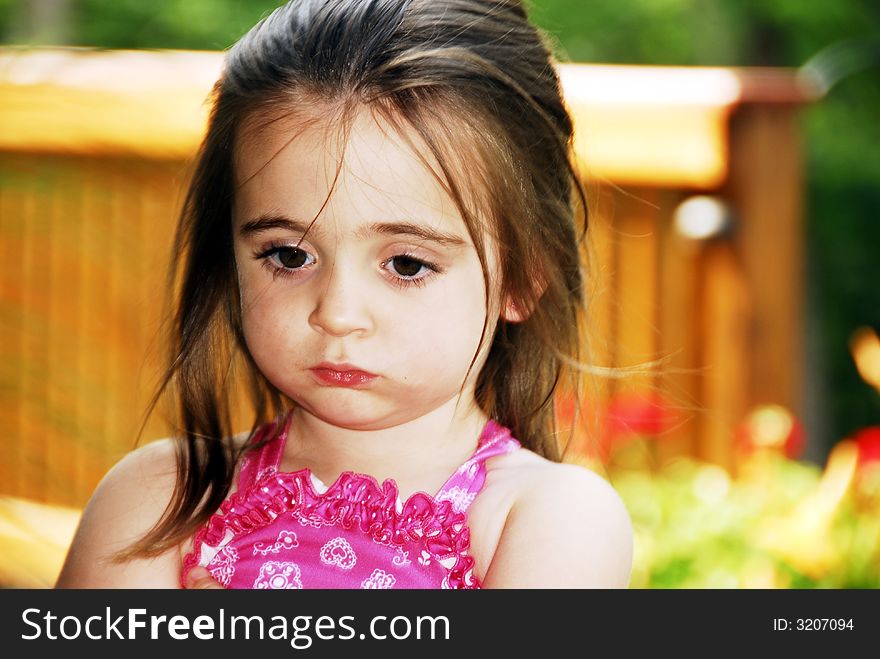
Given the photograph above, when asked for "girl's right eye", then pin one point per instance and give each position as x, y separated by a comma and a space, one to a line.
286, 260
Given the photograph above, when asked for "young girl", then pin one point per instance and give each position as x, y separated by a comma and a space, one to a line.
380, 240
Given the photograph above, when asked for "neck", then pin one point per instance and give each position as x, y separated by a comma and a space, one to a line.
416, 453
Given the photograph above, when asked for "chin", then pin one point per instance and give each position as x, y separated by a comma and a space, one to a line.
351, 416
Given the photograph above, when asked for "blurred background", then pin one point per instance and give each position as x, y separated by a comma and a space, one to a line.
729, 150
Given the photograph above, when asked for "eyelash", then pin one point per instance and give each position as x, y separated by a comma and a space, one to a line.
278, 270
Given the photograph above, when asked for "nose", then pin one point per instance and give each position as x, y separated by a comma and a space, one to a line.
341, 305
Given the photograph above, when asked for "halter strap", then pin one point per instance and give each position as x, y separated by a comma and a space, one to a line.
463, 486
265, 460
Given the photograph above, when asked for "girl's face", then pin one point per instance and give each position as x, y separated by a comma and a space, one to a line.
372, 318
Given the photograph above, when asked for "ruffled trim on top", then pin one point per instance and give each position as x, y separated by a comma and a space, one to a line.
353, 499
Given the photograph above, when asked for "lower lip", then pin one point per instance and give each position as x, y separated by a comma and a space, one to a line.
343, 378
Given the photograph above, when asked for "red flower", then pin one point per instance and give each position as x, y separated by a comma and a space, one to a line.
868, 442
634, 414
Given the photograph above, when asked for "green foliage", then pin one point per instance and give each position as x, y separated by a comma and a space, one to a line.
183, 24
772, 526
188, 24
702, 32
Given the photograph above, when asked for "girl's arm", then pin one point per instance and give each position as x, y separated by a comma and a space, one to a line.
126, 503
568, 529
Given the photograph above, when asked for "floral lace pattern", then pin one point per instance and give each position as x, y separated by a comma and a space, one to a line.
277, 576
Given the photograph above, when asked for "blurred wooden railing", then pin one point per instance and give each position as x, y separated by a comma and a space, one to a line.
94, 149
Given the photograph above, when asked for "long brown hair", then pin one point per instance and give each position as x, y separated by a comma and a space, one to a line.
474, 80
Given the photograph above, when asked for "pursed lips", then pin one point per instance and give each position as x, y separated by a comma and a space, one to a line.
342, 375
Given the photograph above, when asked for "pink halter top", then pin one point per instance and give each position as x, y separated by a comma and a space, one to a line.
289, 530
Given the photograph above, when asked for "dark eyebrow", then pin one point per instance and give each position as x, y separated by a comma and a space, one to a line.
271, 221
268, 222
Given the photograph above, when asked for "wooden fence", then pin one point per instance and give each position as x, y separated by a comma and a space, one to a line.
93, 161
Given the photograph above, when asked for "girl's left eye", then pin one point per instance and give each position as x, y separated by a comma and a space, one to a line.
406, 269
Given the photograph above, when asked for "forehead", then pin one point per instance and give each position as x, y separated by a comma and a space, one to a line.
300, 164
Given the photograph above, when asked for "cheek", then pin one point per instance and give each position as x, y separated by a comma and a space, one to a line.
448, 324
268, 324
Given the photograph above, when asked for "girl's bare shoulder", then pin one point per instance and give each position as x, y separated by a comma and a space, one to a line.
523, 472
127, 502
566, 526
